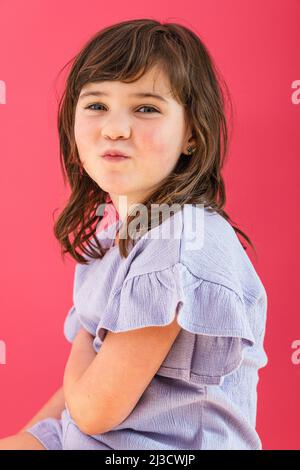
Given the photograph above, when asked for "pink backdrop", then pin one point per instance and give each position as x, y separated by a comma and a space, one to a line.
255, 45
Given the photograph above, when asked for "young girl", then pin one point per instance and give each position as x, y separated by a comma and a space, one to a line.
167, 332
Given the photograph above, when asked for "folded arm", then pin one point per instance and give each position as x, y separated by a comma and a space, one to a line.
102, 389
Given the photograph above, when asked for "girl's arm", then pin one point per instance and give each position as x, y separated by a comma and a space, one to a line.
102, 389
81, 355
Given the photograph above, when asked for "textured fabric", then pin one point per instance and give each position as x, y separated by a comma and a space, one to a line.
204, 395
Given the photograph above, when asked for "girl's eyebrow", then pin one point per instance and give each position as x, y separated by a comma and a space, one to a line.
140, 94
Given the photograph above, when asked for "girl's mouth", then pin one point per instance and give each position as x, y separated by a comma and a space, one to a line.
114, 158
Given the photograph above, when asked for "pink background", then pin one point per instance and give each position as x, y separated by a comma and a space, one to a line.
255, 45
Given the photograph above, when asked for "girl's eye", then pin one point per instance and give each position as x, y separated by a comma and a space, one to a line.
97, 104
149, 107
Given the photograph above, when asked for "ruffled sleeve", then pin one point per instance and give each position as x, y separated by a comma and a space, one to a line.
214, 321
71, 324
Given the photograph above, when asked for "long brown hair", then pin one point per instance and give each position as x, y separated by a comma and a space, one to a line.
124, 52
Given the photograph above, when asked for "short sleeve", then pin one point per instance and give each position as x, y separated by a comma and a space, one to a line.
215, 327
71, 324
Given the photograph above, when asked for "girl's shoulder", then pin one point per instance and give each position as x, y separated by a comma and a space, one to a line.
201, 244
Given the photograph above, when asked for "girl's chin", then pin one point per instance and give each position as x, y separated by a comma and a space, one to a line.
113, 182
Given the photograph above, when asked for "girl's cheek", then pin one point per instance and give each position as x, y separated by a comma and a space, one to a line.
153, 141
82, 130
82, 135
78, 134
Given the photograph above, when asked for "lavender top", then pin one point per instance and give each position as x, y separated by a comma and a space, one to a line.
210, 374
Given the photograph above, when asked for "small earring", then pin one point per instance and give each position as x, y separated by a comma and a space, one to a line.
190, 150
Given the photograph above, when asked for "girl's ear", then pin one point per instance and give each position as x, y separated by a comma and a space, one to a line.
190, 141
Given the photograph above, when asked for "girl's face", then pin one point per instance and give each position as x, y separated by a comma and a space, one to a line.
151, 131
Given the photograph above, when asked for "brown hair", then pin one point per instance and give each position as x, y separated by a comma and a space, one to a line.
124, 52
